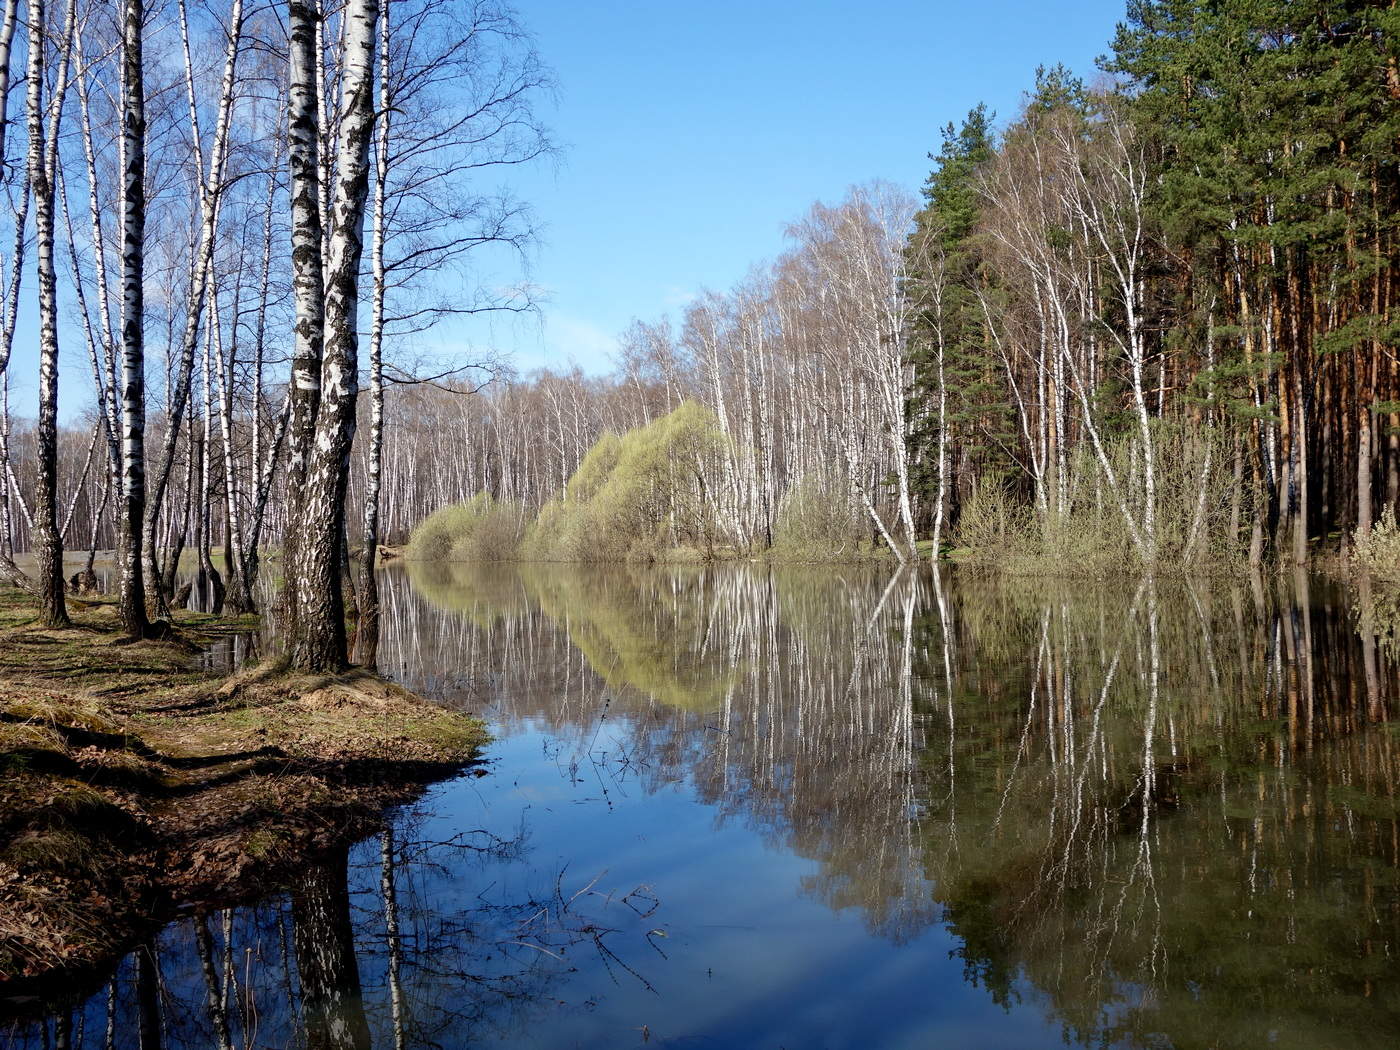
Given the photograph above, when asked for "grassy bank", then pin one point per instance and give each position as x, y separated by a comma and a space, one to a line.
131, 781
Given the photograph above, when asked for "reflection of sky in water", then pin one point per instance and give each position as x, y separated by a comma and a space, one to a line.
745, 749
751, 960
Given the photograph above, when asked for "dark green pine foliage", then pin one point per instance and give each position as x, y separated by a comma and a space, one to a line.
981, 425
1279, 124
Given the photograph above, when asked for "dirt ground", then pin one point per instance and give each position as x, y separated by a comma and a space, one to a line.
132, 781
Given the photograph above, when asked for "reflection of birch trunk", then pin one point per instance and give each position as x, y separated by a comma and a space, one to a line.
1302, 597
1092, 745
1142, 868
325, 953
109, 1035
148, 1027
945, 623
1369, 663
391, 929
213, 994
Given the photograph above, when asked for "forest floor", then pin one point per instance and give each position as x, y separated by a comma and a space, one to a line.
133, 782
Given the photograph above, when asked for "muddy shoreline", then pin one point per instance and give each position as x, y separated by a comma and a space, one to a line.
135, 786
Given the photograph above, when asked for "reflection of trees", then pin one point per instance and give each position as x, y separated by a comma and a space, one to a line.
1174, 813
325, 954
380, 945
780, 695
1170, 807
1171, 810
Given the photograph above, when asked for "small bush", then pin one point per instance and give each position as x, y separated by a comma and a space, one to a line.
814, 524
990, 521
1376, 551
482, 529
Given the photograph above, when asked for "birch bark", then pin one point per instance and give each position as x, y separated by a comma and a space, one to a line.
367, 627
48, 542
317, 640
308, 287
133, 416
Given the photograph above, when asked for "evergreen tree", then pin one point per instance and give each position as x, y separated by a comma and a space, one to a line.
977, 415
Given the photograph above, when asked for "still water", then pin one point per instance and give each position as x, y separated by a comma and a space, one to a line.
826, 808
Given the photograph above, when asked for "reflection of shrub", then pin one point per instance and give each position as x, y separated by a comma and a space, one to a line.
481, 529
1377, 551
635, 496
814, 524
483, 593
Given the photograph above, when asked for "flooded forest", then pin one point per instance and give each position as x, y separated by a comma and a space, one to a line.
978, 625
1154, 815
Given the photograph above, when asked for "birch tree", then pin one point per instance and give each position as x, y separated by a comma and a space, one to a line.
308, 285
133, 495
48, 541
316, 640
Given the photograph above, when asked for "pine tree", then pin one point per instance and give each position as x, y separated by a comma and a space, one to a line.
977, 415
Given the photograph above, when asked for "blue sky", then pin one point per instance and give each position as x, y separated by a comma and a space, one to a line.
695, 131
692, 132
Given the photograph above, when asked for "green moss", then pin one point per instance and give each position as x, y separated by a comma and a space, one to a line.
52, 850
262, 843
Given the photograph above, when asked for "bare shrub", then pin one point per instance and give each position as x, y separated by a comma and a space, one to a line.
1197, 509
815, 524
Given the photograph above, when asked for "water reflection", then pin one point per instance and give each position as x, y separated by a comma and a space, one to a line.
395, 942
1183, 827
1155, 815
784, 700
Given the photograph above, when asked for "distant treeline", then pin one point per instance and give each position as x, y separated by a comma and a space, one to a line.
1143, 320
1149, 319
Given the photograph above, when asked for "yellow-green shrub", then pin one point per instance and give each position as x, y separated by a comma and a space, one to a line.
481, 529
636, 495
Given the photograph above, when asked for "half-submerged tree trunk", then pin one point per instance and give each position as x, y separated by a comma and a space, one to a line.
133, 420
316, 639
